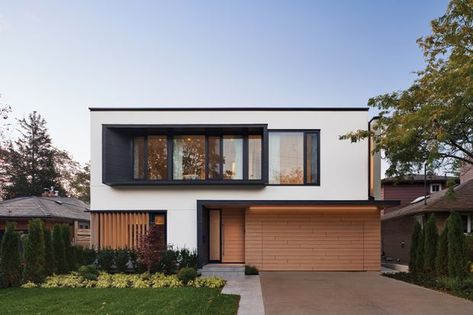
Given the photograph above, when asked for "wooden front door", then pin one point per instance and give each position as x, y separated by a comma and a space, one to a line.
233, 235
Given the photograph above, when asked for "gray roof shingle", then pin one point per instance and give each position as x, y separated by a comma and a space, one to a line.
45, 207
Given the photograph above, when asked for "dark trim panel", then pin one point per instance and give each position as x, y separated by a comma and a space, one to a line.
177, 182
197, 109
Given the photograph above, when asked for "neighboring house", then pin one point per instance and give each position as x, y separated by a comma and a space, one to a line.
271, 187
52, 210
410, 188
398, 223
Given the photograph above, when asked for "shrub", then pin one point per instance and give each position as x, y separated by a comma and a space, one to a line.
59, 250
133, 259
168, 262
34, 253
89, 272
105, 259
121, 258
187, 258
85, 256
416, 260
151, 247
10, 263
469, 246
430, 244
49, 265
71, 261
29, 285
441, 263
187, 274
251, 270
457, 261
207, 282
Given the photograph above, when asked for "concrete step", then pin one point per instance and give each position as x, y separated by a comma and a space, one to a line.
226, 271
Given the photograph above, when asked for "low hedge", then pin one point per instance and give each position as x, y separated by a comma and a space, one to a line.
119, 280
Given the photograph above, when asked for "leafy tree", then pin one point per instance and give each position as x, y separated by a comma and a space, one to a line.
441, 261
10, 263
151, 247
5, 111
34, 252
49, 266
71, 260
74, 178
416, 253
432, 121
31, 160
457, 256
59, 249
430, 244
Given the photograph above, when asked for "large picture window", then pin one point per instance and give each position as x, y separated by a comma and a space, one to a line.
293, 158
198, 157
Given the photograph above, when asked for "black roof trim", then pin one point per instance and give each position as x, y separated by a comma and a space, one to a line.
301, 202
282, 109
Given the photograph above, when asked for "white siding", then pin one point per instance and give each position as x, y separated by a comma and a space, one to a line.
344, 165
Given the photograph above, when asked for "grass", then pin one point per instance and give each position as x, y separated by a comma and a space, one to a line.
463, 289
117, 301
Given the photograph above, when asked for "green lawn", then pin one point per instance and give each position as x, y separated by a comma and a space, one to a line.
117, 301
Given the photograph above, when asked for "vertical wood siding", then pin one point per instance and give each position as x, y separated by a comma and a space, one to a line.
118, 229
233, 234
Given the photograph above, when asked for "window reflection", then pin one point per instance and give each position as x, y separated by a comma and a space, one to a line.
138, 163
157, 158
189, 157
232, 157
254, 157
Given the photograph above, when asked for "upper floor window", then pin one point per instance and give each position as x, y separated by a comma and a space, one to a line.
294, 157
197, 157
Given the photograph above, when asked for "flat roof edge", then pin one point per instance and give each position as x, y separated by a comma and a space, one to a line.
151, 109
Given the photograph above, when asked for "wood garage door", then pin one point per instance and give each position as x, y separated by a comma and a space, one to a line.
313, 239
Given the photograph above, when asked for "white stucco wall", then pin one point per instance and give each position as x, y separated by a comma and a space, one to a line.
343, 165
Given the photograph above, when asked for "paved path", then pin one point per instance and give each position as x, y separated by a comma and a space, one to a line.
353, 293
249, 289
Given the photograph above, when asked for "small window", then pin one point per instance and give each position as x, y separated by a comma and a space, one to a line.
467, 222
312, 156
138, 161
435, 188
254, 157
232, 157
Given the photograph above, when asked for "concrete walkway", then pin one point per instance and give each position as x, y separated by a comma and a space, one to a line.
249, 289
353, 293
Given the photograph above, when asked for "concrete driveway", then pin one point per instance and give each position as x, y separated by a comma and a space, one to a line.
353, 293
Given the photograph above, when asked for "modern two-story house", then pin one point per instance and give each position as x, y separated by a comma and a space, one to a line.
270, 187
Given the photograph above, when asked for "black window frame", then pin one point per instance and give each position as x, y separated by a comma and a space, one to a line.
188, 130
305, 132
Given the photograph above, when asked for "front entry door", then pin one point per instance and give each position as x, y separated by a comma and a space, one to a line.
233, 235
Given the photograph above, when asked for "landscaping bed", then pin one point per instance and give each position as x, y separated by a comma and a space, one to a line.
185, 300
461, 288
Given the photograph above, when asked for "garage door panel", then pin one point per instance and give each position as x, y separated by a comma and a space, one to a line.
313, 241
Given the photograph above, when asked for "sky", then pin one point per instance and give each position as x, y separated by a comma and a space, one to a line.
62, 57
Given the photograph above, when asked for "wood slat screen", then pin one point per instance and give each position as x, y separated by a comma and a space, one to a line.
118, 229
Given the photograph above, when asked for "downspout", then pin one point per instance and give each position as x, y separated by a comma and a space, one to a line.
370, 197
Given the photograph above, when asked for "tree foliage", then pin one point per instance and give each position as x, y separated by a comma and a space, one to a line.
31, 160
430, 244
34, 252
431, 121
441, 261
457, 256
71, 261
151, 247
59, 249
416, 253
10, 263
49, 266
